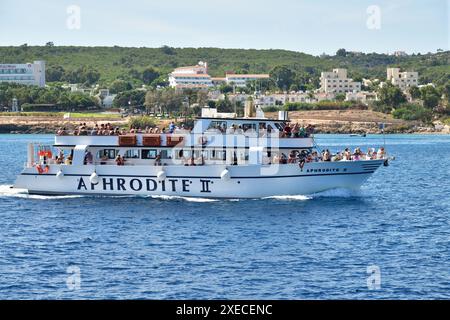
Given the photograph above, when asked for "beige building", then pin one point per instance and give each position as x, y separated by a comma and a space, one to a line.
403, 80
337, 82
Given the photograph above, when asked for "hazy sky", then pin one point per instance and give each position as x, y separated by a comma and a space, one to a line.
308, 26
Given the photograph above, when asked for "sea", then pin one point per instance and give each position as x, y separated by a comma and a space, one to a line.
389, 240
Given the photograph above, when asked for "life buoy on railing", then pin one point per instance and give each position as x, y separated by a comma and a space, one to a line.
39, 169
202, 140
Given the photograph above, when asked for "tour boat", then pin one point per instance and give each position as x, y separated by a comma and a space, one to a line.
222, 156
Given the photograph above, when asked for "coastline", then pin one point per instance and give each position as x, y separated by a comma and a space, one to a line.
336, 122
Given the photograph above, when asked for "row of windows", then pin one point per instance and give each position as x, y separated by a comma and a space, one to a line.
14, 71
16, 78
151, 154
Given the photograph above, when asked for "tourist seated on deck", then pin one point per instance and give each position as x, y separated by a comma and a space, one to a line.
357, 154
120, 161
276, 158
171, 127
315, 156
88, 159
337, 157
347, 155
103, 159
68, 160
295, 131
158, 160
292, 157
326, 156
266, 159
283, 159
287, 131
60, 158
309, 130
381, 153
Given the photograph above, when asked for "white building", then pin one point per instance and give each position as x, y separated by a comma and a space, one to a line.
241, 80
403, 80
27, 73
363, 96
191, 77
337, 82
400, 53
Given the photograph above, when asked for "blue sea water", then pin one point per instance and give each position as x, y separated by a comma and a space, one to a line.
303, 247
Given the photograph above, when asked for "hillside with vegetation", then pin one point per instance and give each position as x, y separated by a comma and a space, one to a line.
90, 65
124, 70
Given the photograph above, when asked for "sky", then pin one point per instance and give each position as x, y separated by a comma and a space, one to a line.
314, 27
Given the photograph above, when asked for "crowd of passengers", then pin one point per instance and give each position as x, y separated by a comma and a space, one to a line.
289, 131
273, 158
325, 155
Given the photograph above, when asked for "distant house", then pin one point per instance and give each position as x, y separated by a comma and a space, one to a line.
108, 101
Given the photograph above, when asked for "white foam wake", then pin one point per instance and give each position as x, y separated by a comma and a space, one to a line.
337, 193
290, 198
189, 199
9, 191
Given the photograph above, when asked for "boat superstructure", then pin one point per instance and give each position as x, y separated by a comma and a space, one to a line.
221, 157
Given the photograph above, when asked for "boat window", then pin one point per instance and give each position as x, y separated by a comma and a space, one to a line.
180, 154
148, 153
132, 154
218, 154
166, 154
218, 125
108, 153
279, 126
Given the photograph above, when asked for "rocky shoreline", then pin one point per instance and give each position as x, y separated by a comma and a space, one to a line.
330, 128
331, 121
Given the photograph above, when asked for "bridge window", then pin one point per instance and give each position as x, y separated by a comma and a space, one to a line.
148, 153
109, 153
132, 154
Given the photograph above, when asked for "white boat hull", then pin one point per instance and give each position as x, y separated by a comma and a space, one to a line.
252, 181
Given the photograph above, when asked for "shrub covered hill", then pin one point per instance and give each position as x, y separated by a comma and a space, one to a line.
105, 64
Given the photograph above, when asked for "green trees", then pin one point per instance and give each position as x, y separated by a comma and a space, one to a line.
165, 100
430, 97
283, 77
340, 97
120, 85
54, 73
149, 75
130, 98
341, 52
414, 92
410, 111
391, 95
84, 75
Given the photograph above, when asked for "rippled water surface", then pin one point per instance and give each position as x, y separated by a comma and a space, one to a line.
302, 247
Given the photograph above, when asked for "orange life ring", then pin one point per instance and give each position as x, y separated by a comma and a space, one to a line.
39, 169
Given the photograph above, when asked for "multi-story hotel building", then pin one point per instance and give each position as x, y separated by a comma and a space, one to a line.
337, 82
27, 73
191, 77
403, 80
240, 80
